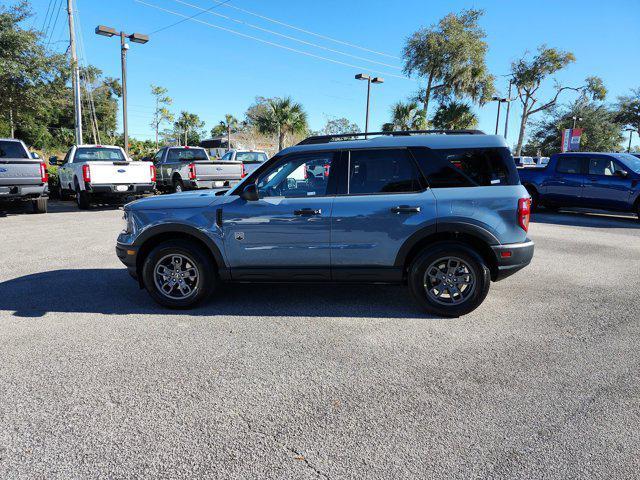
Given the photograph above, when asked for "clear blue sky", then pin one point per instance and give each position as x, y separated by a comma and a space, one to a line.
212, 72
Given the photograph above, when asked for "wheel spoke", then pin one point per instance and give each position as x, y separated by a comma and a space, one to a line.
449, 281
176, 276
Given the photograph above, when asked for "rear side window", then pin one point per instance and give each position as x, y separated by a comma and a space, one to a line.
12, 150
186, 154
569, 165
383, 171
475, 167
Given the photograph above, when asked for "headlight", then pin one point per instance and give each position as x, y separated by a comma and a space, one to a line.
128, 223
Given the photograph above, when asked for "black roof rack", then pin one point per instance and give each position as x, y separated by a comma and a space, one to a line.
355, 136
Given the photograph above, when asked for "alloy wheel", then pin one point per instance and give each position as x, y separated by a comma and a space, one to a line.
449, 281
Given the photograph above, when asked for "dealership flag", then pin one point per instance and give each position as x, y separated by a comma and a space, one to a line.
571, 139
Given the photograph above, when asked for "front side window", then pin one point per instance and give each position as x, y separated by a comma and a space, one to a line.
299, 176
98, 154
602, 166
186, 154
569, 165
382, 171
158, 157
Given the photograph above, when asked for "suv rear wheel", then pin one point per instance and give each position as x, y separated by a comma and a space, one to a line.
179, 274
449, 280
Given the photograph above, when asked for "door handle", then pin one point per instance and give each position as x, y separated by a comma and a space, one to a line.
307, 211
405, 209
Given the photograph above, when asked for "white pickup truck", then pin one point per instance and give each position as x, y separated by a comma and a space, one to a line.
104, 173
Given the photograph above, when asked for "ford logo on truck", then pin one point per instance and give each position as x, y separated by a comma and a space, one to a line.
122, 170
3, 170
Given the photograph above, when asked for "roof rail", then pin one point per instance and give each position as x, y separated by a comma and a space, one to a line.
355, 136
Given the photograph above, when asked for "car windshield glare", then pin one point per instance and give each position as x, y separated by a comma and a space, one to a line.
251, 157
97, 154
630, 161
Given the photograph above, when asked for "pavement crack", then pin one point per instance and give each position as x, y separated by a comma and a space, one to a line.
276, 439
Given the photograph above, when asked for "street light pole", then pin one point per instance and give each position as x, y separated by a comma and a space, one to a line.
506, 121
630, 130
124, 46
364, 76
574, 121
500, 101
75, 75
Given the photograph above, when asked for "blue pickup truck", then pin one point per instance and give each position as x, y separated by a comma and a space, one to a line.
607, 181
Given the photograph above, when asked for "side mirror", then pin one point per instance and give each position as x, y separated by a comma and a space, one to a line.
250, 193
622, 173
53, 160
35, 156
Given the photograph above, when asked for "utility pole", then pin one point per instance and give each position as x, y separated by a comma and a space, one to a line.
75, 75
500, 102
506, 121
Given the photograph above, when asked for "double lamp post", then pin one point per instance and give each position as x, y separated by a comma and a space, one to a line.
124, 46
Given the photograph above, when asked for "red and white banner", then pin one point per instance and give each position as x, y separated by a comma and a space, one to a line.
571, 139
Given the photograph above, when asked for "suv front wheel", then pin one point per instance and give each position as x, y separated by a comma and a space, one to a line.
449, 280
179, 274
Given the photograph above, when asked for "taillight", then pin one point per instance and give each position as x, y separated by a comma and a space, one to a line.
244, 172
326, 170
86, 173
153, 173
192, 171
524, 212
44, 175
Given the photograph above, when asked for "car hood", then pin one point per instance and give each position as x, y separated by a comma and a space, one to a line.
192, 199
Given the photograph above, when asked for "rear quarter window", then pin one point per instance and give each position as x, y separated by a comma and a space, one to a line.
471, 167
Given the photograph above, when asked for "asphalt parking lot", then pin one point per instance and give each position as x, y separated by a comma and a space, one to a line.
542, 381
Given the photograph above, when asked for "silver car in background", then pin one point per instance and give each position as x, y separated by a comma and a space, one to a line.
251, 159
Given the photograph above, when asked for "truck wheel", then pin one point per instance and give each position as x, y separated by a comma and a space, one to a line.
449, 280
178, 186
62, 195
179, 274
40, 205
83, 199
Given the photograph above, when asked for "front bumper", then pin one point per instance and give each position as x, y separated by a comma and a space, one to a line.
113, 189
17, 192
127, 255
512, 257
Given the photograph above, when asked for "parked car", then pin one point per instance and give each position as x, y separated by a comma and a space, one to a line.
445, 214
609, 181
23, 176
190, 168
103, 173
524, 161
251, 159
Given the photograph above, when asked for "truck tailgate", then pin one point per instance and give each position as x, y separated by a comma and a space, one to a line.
20, 171
120, 172
218, 170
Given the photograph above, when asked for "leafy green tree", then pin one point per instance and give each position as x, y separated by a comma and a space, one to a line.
628, 108
406, 116
161, 113
30, 78
529, 74
601, 129
450, 57
282, 117
454, 115
337, 126
188, 127
226, 127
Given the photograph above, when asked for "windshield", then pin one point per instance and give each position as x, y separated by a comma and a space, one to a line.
187, 154
248, 157
12, 150
629, 160
99, 154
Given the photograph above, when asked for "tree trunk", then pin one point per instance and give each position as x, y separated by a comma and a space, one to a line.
427, 95
228, 137
523, 127
281, 135
156, 136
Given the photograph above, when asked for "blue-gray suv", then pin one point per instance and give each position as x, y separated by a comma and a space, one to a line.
440, 211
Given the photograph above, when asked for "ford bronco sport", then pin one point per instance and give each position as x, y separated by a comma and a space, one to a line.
440, 211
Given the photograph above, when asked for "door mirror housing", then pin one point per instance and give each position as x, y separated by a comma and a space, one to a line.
250, 193
622, 173
53, 160
35, 156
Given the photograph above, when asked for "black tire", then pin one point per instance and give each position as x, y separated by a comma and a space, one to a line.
178, 186
61, 193
193, 256
83, 199
477, 280
40, 205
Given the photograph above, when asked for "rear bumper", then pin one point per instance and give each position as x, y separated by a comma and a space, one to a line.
197, 184
512, 257
113, 189
17, 192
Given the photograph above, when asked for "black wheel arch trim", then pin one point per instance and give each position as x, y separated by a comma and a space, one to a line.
476, 231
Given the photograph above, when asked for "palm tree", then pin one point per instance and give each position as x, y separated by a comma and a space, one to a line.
454, 115
406, 116
282, 116
229, 123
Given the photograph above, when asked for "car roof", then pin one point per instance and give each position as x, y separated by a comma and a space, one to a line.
10, 140
383, 141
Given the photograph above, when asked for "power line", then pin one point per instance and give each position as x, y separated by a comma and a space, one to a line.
308, 32
241, 22
46, 15
189, 18
308, 54
55, 23
55, 9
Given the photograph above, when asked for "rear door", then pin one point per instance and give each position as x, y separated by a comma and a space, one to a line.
604, 188
565, 182
285, 235
382, 201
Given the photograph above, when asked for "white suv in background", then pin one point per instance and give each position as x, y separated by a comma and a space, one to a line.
251, 159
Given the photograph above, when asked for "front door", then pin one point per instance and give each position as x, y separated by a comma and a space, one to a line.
380, 205
285, 235
605, 186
